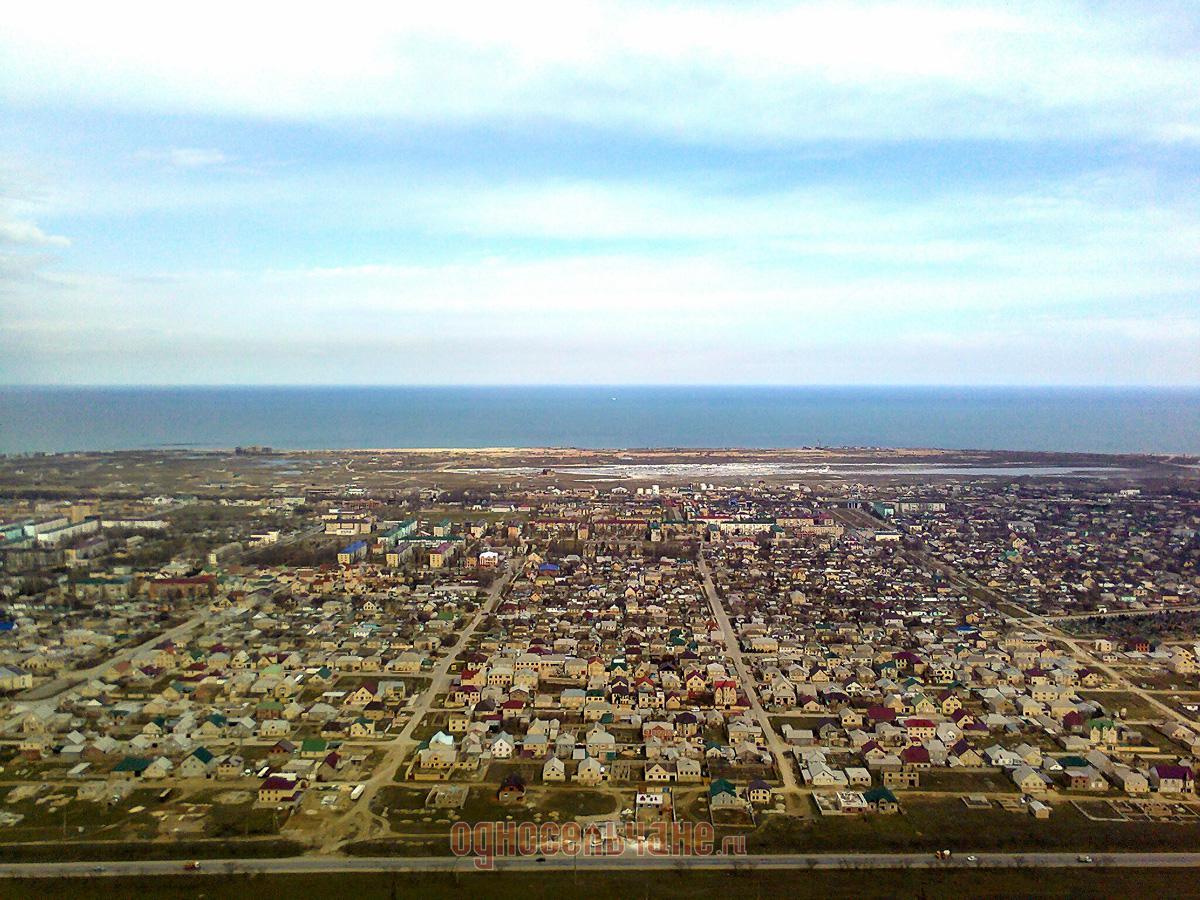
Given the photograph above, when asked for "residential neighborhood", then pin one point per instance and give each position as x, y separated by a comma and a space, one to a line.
338, 664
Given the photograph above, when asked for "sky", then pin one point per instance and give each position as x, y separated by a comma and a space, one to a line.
573, 193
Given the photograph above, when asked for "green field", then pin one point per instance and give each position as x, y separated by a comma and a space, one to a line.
407, 813
81, 820
933, 824
661, 885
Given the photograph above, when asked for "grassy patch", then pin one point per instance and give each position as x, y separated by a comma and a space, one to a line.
663, 885
81, 819
570, 803
242, 820
1114, 701
967, 780
927, 825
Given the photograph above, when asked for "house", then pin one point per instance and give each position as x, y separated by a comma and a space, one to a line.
437, 756
502, 746
590, 772
858, 777
600, 743
330, 766
905, 778
759, 792
1172, 779
818, 774
882, 800
274, 728
512, 789
1085, 778
362, 695
314, 748
200, 763
850, 803
1102, 731
723, 795
963, 755
1028, 780
656, 798
1131, 781
279, 789
656, 771
131, 767
554, 769
231, 766
919, 730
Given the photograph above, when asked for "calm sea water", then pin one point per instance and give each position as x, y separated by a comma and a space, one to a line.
1063, 419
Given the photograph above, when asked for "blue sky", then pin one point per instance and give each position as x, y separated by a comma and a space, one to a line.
955, 193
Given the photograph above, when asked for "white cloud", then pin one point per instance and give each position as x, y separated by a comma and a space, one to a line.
734, 264
29, 235
595, 318
699, 71
185, 157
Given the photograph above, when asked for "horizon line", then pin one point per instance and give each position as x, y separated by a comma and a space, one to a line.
600, 385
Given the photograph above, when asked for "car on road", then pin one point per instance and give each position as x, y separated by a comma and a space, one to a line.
540, 859
972, 858
192, 866
1084, 858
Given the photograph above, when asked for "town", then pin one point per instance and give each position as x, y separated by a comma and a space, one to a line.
260, 653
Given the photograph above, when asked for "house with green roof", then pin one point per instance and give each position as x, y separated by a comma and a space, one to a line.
314, 748
131, 767
723, 795
882, 800
198, 764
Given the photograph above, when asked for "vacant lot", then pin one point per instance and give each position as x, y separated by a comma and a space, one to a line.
48, 816
932, 824
966, 781
1114, 702
407, 814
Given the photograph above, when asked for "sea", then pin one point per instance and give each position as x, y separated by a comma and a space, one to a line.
1103, 420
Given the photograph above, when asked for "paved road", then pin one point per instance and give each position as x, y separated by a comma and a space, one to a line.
360, 818
1044, 627
774, 742
40, 697
303, 864
1115, 678
47, 696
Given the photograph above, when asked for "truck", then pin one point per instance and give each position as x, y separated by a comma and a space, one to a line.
358, 791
